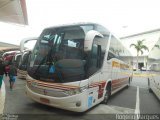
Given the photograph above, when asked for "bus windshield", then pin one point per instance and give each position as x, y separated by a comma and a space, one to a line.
59, 55
24, 61
18, 57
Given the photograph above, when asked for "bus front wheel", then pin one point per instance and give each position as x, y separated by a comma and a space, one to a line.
129, 82
107, 94
149, 88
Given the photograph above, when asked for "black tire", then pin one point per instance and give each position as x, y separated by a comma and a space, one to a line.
149, 88
107, 94
129, 81
131, 78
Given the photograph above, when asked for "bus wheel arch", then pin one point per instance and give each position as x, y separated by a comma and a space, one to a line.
107, 93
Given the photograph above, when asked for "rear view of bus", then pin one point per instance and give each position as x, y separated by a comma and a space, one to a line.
68, 67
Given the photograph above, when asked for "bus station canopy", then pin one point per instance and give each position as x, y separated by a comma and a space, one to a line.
13, 11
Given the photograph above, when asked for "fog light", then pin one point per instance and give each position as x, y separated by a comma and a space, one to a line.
78, 104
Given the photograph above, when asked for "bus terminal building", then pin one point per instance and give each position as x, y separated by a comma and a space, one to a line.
150, 37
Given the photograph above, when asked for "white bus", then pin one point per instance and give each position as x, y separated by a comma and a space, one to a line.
16, 59
154, 70
22, 68
8, 56
75, 67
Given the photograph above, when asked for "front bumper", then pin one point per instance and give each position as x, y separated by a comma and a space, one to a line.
76, 103
21, 74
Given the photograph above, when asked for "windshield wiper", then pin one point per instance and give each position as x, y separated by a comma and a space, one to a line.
50, 58
42, 61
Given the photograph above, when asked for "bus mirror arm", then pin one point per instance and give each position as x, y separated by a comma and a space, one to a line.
25, 40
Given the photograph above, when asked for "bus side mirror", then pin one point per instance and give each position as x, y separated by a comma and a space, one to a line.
90, 35
25, 40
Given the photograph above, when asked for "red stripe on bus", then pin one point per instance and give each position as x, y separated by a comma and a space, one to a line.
96, 84
53, 84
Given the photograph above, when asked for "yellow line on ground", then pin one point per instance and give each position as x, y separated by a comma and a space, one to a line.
141, 75
144, 74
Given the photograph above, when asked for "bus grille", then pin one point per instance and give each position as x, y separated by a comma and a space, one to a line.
46, 91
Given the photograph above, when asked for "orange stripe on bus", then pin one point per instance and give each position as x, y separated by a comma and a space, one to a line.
115, 64
119, 65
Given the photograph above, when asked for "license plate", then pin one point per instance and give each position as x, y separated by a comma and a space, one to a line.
44, 100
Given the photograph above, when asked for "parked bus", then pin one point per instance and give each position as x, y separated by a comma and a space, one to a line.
16, 59
7, 56
75, 67
154, 70
22, 68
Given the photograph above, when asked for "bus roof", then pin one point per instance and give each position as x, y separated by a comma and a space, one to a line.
74, 24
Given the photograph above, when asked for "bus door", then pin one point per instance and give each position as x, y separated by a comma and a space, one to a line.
93, 74
94, 62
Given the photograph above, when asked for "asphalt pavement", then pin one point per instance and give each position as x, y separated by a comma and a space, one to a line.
132, 100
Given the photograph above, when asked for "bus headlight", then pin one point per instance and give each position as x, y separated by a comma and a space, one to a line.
84, 88
72, 91
76, 91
